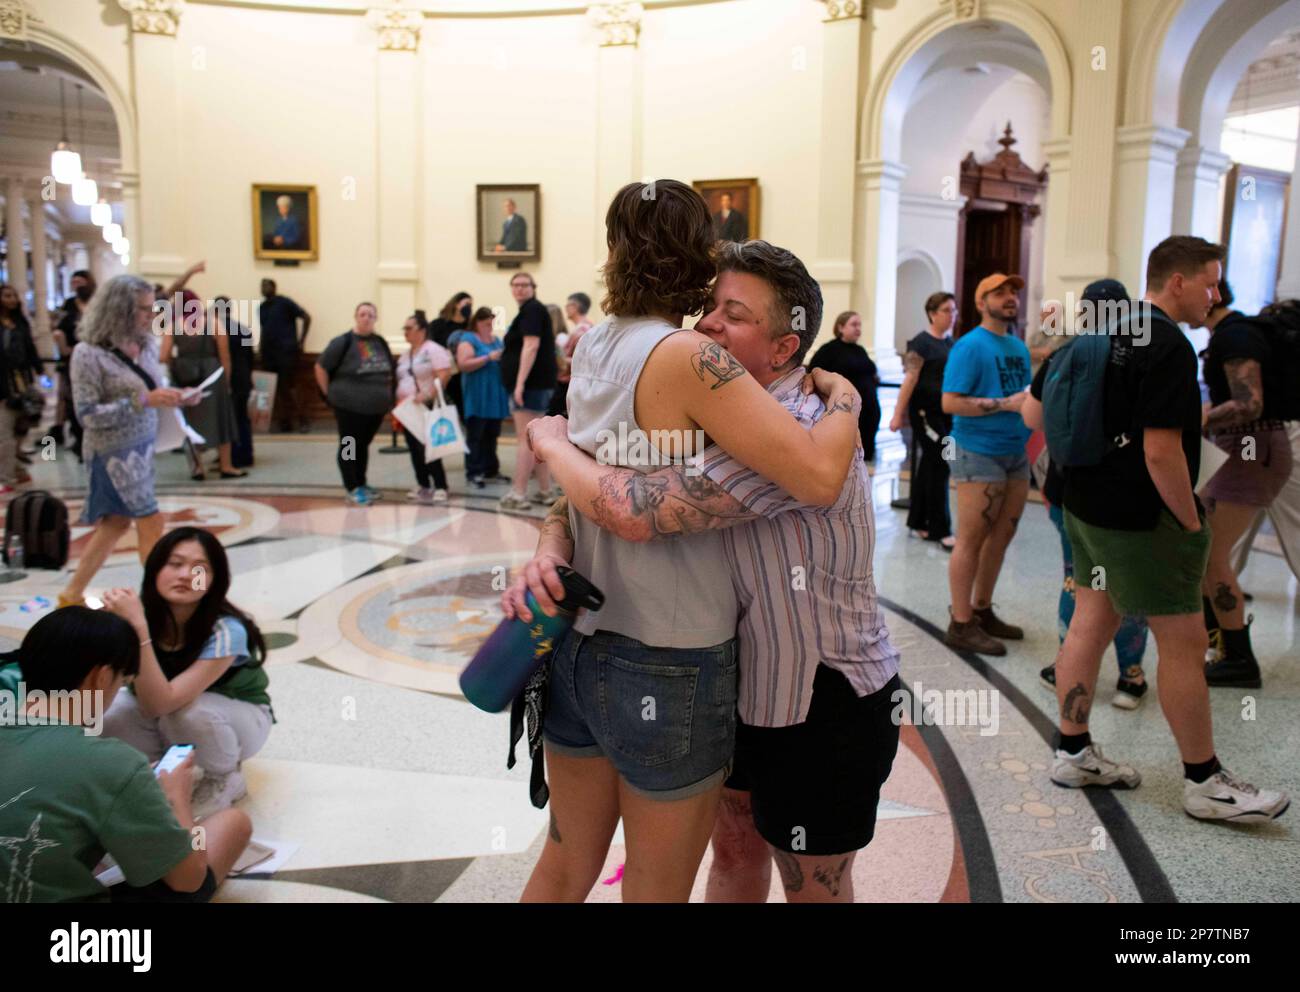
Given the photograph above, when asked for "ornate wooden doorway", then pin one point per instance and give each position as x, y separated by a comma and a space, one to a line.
996, 222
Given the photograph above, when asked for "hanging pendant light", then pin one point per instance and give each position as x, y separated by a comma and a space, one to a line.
65, 164
122, 246
101, 214
126, 260
84, 191
112, 232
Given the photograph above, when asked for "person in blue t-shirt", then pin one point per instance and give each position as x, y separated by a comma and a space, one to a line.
984, 387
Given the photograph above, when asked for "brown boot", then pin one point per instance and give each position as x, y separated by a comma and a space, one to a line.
969, 636
990, 624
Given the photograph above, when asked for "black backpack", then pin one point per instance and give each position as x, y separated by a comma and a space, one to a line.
41, 521
1280, 323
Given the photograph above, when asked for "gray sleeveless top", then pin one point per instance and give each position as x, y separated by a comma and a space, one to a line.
673, 592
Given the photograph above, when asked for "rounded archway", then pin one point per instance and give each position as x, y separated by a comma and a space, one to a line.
945, 72
918, 277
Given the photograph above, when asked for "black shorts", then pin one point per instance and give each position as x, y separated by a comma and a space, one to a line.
814, 787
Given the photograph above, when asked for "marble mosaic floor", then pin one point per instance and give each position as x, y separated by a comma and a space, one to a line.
394, 788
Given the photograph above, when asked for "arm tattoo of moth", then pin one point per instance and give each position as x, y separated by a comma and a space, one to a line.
912, 362
663, 503
715, 364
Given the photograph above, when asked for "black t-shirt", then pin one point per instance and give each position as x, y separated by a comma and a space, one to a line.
1238, 336
440, 329
1054, 484
279, 316
852, 362
1146, 386
928, 395
531, 321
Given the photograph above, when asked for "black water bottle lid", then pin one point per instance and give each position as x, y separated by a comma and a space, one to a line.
578, 592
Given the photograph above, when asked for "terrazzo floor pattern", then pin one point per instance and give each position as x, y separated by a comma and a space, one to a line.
396, 789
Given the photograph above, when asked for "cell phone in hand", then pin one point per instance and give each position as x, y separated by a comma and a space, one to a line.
176, 754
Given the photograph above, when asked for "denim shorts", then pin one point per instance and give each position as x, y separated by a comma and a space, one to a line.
971, 466
535, 401
664, 717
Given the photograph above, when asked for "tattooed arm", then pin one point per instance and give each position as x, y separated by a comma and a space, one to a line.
1247, 401
635, 506
981, 406
690, 381
912, 365
539, 575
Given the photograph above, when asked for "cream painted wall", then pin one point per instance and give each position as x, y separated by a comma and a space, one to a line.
278, 97
481, 126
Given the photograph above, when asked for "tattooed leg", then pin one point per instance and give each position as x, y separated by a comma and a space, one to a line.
1077, 704
791, 873
831, 877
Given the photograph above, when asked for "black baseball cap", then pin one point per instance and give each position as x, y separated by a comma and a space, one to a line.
1105, 290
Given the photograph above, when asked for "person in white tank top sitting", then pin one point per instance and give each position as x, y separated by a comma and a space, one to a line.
640, 718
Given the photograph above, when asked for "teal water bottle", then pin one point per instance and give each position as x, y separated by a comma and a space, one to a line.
506, 661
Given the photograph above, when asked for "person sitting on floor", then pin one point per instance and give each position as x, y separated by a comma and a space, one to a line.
68, 797
201, 676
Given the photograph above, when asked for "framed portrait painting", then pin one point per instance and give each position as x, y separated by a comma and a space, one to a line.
285, 222
509, 223
733, 205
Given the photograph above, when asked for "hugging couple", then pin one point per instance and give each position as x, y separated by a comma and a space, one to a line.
736, 685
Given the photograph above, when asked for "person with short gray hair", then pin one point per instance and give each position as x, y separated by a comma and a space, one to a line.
118, 385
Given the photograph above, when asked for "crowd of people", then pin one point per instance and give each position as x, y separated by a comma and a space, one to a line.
773, 698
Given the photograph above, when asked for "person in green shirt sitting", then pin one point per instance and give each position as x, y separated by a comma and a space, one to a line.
68, 797
201, 676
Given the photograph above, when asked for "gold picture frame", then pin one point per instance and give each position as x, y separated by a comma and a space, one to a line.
269, 223
744, 201
497, 242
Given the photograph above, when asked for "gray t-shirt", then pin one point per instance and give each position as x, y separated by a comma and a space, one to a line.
361, 373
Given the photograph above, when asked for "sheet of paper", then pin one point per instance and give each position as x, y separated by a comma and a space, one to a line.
173, 430
1212, 459
208, 381
412, 415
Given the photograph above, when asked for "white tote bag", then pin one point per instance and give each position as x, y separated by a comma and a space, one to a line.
443, 436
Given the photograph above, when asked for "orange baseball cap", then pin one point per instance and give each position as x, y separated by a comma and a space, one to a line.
996, 281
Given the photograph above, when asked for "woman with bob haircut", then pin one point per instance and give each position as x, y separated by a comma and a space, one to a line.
640, 718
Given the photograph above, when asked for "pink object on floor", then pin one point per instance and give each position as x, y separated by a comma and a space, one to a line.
616, 877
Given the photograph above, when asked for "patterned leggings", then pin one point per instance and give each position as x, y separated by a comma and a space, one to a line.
1130, 640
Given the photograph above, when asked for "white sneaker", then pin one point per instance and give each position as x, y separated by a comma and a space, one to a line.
440, 495
1089, 767
511, 502
413, 493
1225, 797
217, 792
422, 496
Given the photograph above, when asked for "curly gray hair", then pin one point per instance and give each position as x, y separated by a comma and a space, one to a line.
111, 317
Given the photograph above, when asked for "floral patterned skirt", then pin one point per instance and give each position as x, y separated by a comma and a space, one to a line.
121, 484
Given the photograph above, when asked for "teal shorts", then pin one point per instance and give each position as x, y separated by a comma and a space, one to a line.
1146, 573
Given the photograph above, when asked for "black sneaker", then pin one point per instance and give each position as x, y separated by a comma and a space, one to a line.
1048, 676
1234, 673
1128, 694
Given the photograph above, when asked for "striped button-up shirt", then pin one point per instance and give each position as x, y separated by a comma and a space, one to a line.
803, 580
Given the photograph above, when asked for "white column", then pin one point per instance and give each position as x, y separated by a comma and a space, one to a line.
1198, 207
397, 118
16, 240
157, 232
1147, 155
843, 41
879, 183
1053, 223
1288, 280
618, 115
40, 275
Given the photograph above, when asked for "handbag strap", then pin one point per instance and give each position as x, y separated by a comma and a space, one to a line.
123, 357
437, 384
